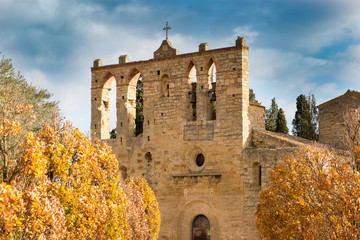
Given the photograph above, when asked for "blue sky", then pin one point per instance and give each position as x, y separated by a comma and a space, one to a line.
296, 46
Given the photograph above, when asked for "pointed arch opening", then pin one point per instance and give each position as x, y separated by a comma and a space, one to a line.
135, 102
201, 228
192, 81
211, 106
108, 106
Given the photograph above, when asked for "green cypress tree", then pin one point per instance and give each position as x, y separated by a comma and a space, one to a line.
281, 124
113, 133
314, 116
271, 115
139, 119
302, 124
252, 97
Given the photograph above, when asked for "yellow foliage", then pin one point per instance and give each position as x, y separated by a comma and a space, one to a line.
312, 195
69, 187
150, 206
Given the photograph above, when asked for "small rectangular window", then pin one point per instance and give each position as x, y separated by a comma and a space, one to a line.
260, 175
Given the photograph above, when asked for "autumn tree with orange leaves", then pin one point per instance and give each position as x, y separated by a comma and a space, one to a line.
58, 184
23, 108
314, 194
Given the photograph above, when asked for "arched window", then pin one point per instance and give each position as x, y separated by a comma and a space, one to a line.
201, 228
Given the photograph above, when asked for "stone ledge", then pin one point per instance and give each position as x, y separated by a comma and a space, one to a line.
197, 175
216, 175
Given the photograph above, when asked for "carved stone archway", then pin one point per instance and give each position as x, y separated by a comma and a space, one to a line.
188, 214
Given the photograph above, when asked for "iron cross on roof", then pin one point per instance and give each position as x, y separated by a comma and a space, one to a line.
167, 28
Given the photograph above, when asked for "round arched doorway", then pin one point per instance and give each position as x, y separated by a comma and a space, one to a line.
200, 228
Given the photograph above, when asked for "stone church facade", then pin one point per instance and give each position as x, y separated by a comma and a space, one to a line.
204, 149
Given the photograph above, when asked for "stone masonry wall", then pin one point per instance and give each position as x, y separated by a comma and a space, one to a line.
331, 118
256, 115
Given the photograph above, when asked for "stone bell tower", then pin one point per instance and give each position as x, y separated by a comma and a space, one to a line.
197, 124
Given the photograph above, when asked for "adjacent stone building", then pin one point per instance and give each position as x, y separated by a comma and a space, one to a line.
203, 149
332, 115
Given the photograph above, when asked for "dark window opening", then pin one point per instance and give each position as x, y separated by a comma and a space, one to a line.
148, 156
106, 105
158, 72
139, 117
259, 175
192, 96
200, 160
194, 111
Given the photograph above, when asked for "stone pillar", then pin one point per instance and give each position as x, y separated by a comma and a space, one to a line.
122, 123
244, 80
95, 125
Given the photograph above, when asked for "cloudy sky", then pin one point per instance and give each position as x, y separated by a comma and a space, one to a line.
297, 46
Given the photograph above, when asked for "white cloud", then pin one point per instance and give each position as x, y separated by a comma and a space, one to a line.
288, 70
242, 31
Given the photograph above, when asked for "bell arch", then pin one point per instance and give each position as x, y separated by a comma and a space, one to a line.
134, 102
108, 84
192, 82
211, 104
